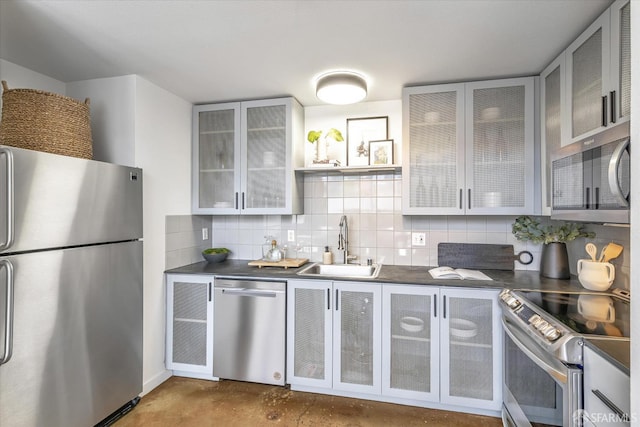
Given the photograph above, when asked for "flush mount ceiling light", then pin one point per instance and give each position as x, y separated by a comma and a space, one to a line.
341, 87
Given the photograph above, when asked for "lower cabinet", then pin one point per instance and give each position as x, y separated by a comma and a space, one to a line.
398, 343
607, 400
333, 335
189, 326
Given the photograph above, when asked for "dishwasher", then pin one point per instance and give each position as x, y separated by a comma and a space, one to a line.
249, 330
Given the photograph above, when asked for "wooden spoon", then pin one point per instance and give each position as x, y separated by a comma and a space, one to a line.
611, 251
591, 250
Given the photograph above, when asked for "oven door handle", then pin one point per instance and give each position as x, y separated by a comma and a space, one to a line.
551, 366
614, 182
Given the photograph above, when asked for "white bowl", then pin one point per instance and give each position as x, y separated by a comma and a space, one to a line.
412, 324
462, 328
491, 113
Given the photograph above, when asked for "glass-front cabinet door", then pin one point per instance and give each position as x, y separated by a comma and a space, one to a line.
245, 155
621, 60
433, 176
410, 342
266, 150
309, 333
500, 147
471, 348
216, 158
190, 324
356, 337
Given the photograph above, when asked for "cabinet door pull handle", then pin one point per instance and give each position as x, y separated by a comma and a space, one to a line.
604, 111
444, 306
612, 95
328, 299
243, 200
236, 200
209, 291
469, 199
587, 198
435, 305
622, 416
336, 300
461, 207
596, 197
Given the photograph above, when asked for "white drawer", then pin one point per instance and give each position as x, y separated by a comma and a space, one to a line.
603, 381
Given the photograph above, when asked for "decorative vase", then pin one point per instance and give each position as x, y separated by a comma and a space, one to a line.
554, 261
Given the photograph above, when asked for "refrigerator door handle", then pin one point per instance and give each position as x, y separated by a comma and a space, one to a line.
9, 225
8, 325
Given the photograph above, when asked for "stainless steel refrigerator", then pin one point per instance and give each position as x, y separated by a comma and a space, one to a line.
70, 289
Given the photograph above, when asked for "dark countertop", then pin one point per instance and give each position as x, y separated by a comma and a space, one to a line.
400, 274
615, 351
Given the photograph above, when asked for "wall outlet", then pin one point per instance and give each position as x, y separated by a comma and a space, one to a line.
418, 239
291, 236
205, 233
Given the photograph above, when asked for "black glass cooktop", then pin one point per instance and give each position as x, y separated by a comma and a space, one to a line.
589, 313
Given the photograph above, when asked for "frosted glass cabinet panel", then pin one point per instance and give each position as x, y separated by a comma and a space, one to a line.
500, 121
410, 342
356, 337
471, 348
309, 314
552, 121
435, 124
245, 155
469, 148
190, 324
599, 74
216, 157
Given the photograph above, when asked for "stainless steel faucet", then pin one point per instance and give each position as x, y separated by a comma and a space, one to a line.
343, 240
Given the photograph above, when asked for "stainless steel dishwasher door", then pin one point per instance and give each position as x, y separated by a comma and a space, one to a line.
249, 331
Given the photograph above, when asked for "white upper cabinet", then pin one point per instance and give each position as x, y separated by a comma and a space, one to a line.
244, 156
599, 74
552, 117
469, 148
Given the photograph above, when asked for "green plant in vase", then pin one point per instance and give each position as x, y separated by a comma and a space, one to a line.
554, 261
322, 149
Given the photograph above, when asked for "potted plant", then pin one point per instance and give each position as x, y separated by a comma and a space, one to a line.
554, 261
321, 149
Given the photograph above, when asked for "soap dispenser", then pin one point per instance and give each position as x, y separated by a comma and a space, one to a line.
327, 256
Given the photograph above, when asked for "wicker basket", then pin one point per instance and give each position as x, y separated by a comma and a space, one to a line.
44, 121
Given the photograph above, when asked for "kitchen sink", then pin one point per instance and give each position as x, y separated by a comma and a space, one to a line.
342, 270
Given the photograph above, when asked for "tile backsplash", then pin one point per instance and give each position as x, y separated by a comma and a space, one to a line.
183, 239
372, 203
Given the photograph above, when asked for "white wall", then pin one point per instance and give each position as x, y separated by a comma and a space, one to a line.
112, 106
20, 77
163, 151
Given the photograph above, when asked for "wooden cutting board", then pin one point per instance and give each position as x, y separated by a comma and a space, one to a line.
285, 263
480, 256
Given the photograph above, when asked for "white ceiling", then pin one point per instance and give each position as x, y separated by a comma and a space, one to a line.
211, 51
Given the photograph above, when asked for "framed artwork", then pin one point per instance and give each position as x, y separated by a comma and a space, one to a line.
359, 133
381, 152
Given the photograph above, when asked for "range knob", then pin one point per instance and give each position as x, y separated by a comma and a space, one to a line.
552, 334
512, 303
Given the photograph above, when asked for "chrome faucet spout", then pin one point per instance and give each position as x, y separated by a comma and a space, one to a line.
343, 239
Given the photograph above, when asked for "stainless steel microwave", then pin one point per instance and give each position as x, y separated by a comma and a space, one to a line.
591, 178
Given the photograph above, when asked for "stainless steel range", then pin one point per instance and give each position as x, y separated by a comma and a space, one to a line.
544, 333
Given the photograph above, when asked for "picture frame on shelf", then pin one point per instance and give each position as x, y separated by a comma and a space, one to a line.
381, 152
360, 131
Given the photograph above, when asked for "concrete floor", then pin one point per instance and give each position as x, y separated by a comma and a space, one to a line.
186, 402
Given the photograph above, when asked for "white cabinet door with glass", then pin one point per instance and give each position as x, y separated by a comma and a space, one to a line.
553, 128
334, 335
500, 147
410, 342
245, 155
189, 348
470, 148
599, 74
471, 348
